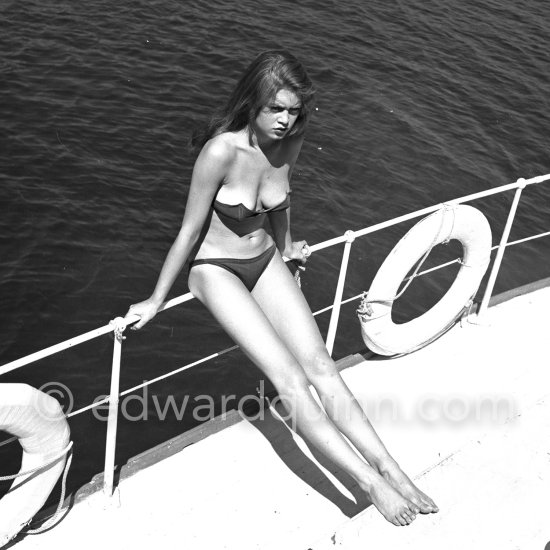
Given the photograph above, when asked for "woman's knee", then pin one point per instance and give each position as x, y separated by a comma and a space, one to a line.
294, 393
292, 383
319, 365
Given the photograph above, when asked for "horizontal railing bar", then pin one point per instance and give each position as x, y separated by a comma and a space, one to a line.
440, 266
181, 369
89, 407
511, 243
96, 333
537, 179
435, 207
130, 320
152, 381
356, 297
546, 234
327, 244
328, 308
174, 302
55, 349
8, 367
397, 221
429, 210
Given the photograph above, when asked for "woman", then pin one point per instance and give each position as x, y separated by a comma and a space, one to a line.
240, 180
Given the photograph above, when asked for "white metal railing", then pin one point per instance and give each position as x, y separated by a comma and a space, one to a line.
348, 238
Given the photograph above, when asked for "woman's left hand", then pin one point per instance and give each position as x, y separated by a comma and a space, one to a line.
298, 251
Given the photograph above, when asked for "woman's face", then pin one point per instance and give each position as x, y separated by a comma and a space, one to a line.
277, 118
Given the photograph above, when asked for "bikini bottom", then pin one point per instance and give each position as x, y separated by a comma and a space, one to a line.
248, 270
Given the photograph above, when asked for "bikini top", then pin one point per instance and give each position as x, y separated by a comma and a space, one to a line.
241, 220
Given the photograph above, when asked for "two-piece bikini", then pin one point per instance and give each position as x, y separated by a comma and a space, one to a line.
242, 221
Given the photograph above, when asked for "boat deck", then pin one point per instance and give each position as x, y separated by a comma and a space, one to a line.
468, 417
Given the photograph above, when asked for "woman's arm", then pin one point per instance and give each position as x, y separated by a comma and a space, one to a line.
280, 220
280, 225
210, 169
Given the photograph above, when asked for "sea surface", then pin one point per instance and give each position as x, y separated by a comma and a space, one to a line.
418, 102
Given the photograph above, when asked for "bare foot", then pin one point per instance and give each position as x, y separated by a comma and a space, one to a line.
393, 506
395, 476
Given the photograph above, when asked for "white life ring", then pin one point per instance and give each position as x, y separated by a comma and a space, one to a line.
464, 223
38, 422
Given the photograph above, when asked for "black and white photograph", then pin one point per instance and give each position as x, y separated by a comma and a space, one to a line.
274, 275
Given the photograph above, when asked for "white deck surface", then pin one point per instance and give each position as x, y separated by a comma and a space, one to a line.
490, 474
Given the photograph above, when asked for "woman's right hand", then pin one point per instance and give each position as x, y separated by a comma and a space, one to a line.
146, 311
298, 251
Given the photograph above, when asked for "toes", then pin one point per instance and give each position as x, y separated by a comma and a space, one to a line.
417, 506
402, 520
406, 516
410, 510
409, 518
427, 503
430, 506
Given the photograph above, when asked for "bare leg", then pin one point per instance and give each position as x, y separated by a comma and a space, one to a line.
284, 304
239, 314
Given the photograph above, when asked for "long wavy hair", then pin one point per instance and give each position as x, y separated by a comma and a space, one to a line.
270, 72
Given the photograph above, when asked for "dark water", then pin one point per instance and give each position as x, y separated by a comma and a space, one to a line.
418, 103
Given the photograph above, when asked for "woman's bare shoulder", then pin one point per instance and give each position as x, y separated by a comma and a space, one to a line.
220, 149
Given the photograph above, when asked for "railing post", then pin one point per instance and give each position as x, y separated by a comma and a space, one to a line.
112, 421
500, 251
335, 315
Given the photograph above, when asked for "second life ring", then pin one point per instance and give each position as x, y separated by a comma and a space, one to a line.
38, 422
464, 223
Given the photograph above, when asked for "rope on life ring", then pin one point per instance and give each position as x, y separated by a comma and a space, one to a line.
38, 422
464, 223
